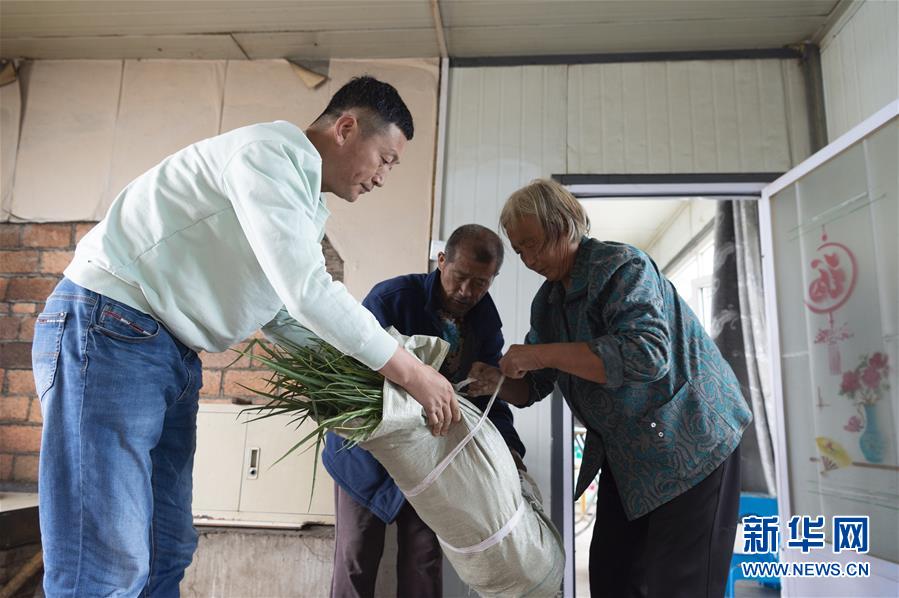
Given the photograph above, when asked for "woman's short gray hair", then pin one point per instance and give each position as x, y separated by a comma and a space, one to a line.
559, 212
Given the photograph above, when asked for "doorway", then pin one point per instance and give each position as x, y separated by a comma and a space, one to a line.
671, 218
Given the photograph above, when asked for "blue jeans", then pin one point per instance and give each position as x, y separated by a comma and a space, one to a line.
119, 400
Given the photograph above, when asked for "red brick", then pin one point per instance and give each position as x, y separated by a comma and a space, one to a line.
35, 415
225, 358
25, 308
14, 262
14, 408
21, 382
82, 229
20, 438
54, 262
30, 289
10, 234
9, 327
252, 378
15, 354
5, 466
212, 383
26, 330
47, 235
3, 284
258, 350
25, 468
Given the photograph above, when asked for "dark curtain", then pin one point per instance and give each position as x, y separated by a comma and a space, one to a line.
739, 330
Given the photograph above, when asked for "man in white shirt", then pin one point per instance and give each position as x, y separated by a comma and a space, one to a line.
216, 241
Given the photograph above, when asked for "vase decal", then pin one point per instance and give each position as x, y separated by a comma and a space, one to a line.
836, 272
871, 442
864, 385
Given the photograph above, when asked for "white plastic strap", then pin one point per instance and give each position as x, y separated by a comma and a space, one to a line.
495, 538
435, 473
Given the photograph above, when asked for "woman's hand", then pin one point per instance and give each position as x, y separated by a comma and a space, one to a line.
521, 359
486, 378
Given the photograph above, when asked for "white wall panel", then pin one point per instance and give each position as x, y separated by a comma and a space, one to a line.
68, 124
165, 106
860, 63
681, 117
10, 119
796, 111
658, 123
266, 90
506, 126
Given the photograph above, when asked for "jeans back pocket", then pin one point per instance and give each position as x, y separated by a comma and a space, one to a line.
48, 329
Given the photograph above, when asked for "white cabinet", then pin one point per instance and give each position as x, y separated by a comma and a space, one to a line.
236, 481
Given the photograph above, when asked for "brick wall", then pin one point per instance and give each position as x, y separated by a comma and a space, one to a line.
32, 258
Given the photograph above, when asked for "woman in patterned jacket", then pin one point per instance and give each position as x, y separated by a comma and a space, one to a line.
663, 409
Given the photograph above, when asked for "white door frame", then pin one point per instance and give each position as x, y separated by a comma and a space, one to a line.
636, 187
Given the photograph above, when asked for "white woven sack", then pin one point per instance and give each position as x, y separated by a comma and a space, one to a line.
488, 517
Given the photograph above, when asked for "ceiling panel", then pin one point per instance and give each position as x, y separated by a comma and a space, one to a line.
118, 17
382, 43
630, 37
486, 13
126, 46
317, 29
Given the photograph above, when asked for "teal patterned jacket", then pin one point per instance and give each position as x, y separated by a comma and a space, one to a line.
671, 409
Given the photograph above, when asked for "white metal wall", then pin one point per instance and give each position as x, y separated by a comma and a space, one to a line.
686, 117
860, 63
508, 125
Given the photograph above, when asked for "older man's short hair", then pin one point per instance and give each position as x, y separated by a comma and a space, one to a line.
484, 244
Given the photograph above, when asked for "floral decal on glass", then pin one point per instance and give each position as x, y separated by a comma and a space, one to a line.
864, 385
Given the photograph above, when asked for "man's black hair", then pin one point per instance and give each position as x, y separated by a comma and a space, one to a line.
485, 244
379, 98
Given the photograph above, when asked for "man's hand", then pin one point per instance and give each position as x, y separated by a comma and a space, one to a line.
486, 378
428, 387
436, 396
521, 359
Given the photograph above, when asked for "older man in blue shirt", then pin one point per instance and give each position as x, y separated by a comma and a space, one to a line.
452, 303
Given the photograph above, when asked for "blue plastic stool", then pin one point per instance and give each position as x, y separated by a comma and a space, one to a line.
760, 505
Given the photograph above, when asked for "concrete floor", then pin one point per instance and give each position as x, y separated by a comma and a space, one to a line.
233, 562
236, 562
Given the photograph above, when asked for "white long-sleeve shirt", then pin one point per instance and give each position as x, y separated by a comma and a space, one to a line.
223, 238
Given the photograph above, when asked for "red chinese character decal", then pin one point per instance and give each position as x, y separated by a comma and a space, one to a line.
837, 272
